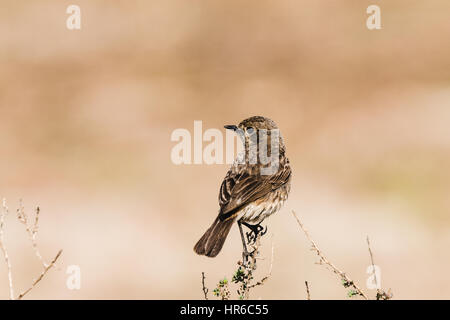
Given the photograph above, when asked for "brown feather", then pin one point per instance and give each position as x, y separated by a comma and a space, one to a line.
244, 189
247, 188
212, 241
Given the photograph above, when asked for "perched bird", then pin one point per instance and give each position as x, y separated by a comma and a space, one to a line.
253, 188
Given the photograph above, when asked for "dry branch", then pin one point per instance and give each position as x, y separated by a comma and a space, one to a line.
32, 231
346, 281
205, 290
244, 275
43, 273
381, 294
308, 295
3, 213
265, 278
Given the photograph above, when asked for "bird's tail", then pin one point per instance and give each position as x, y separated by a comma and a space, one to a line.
212, 241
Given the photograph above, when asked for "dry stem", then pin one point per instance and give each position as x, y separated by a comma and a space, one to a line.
381, 294
323, 260
36, 281
243, 275
205, 290
373, 264
308, 295
3, 213
31, 230
32, 233
264, 279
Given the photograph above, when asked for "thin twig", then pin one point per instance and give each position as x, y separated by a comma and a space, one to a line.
264, 279
381, 294
347, 282
205, 289
32, 233
308, 295
43, 273
373, 264
31, 230
3, 213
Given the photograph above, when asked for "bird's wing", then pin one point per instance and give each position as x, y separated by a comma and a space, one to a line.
239, 189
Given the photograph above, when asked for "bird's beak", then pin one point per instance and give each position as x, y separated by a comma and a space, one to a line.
231, 127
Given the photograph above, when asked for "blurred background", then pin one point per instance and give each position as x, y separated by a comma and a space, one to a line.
86, 118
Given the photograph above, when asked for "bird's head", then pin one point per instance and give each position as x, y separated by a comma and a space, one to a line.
249, 125
250, 131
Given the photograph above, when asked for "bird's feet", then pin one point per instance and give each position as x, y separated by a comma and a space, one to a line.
255, 231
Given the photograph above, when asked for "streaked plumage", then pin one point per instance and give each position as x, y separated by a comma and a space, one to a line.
245, 194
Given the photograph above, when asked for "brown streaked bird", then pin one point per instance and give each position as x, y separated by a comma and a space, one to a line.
249, 194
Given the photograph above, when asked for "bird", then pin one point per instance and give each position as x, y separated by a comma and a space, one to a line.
252, 189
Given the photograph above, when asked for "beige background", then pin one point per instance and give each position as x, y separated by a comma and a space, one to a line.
86, 118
